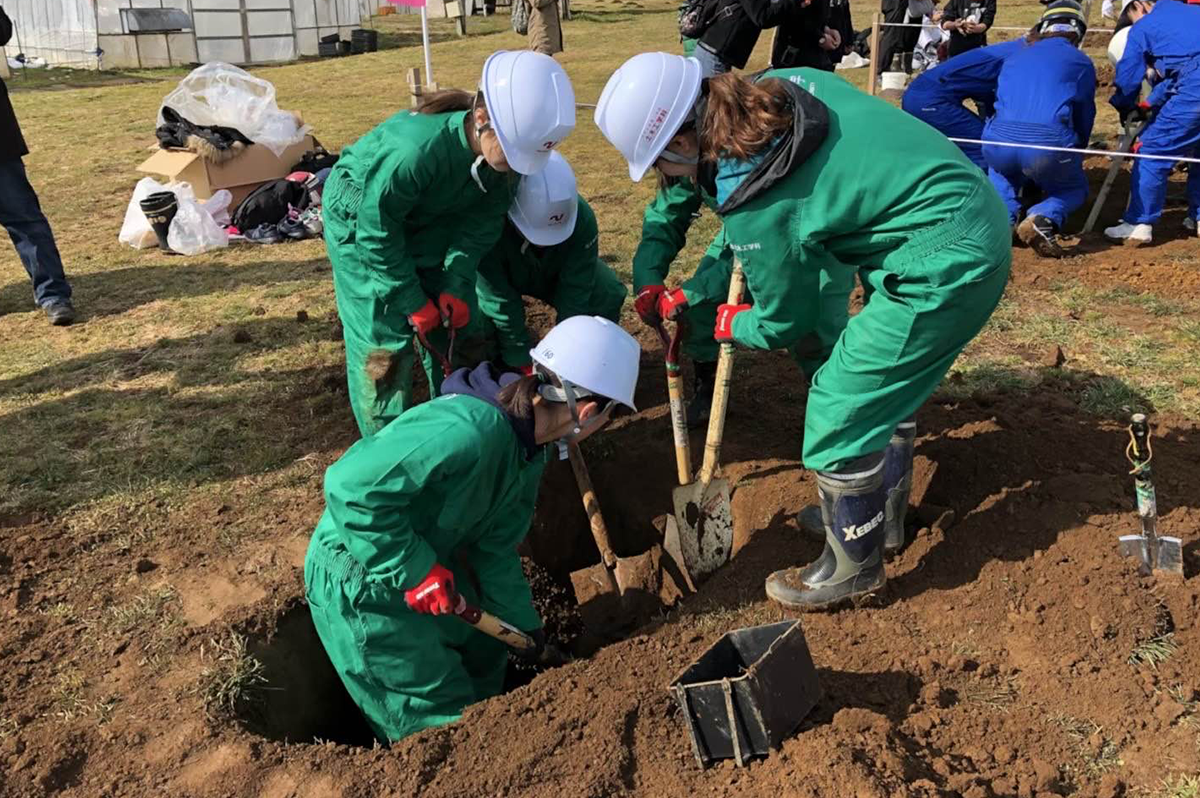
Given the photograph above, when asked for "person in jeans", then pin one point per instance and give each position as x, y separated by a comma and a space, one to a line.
21, 215
733, 32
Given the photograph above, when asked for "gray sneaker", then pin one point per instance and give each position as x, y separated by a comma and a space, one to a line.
60, 312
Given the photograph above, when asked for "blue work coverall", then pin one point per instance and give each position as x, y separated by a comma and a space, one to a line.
936, 96
1045, 96
1168, 38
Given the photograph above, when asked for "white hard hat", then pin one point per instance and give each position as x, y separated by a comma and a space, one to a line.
531, 105
547, 204
1116, 45
644, 104
593, 354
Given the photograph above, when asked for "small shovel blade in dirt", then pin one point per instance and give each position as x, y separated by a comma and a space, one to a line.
702, 532
1156, 554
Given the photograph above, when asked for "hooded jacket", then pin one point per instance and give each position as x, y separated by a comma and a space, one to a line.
805, 206
12, 144
452, 481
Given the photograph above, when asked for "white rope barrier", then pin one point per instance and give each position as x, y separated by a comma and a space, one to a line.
997, 27
1109, 153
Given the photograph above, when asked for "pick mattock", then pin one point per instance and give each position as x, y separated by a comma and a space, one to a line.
702, 531
1156, 553
508, 634
1127, 141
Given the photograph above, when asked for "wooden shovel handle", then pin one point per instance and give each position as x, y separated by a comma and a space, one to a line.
683, 448
492, 626
716, 418
591, 505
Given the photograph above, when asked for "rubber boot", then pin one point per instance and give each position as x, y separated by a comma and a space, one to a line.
160, 208
854, 508
897, 481
704, 383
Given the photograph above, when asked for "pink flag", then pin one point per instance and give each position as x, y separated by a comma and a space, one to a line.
413, 3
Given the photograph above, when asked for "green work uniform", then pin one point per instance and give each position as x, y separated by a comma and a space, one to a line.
930, 237
448, 482
665, 225
406, 218
569, 276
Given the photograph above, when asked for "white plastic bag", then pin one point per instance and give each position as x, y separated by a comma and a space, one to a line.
222, 94
193, 230
136, 230
217, 206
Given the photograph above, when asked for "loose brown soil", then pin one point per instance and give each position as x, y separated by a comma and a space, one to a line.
995, 663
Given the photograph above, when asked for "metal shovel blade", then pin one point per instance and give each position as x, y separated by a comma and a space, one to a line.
703, 528
1161, 554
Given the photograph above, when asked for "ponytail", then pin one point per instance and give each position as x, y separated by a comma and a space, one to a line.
446, 100
742, 118
517, 397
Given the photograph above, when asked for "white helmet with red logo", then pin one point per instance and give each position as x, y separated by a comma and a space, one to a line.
644, 104
531, 106
547, 204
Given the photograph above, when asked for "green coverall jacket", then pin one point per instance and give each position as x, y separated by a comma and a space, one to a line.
406, 218
888, 194
448, 482
570, 277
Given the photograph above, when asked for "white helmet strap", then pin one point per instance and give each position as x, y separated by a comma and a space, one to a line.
568, 393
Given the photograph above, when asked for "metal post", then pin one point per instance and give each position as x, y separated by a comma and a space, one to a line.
425, 44
876, 28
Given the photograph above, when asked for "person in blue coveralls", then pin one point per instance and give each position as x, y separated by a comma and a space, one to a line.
1163, 44
1045, 96
936, 96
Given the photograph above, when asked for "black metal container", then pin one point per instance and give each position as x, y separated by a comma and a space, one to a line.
747, 692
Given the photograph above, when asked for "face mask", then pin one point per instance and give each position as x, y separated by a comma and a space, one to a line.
674, 157
475, 173
567, 394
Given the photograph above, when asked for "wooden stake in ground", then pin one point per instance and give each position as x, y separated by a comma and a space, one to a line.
876, 29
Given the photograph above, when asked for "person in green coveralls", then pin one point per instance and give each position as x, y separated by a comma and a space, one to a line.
804, 180
432, 507
412, 206
549, 251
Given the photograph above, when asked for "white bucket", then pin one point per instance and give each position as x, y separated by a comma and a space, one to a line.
894, 80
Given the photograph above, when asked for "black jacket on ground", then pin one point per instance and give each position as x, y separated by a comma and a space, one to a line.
797, 44
980, 11
12, 145
735, 28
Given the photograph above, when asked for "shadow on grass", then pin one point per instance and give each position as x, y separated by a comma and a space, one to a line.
115, 291
216, 420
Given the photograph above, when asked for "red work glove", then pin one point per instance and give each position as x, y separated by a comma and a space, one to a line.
671, 303
454, 309
646, 303
425, 319
725, 316
526, 371
435, 595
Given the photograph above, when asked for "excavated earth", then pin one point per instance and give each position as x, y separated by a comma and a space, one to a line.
995, 663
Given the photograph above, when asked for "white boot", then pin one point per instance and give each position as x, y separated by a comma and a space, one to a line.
1134, 233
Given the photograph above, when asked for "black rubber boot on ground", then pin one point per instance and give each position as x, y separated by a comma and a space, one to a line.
853, 504
160, 208
1041, 235
897, 482
705, 380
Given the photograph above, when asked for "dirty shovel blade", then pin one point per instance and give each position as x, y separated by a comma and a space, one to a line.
704, 525
1164, 554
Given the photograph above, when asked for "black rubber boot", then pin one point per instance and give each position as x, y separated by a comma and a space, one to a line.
160, 208
1041, 235
854, 507
704, 382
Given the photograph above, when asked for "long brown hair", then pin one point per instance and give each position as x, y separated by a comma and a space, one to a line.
742, 118
446, 100
517, 397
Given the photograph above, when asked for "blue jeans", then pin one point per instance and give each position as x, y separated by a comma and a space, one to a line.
22, 217
710, 62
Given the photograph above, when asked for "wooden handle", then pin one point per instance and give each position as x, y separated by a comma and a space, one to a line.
591, 505
492, 626
683, 447
716, 418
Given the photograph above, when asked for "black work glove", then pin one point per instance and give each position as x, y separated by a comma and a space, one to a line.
535, 654
1135, 115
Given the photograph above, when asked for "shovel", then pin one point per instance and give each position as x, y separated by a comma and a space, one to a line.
616, 590
507, 634
702, 528
1155, 553
1126, 144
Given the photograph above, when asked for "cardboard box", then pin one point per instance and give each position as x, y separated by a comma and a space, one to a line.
240, 175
